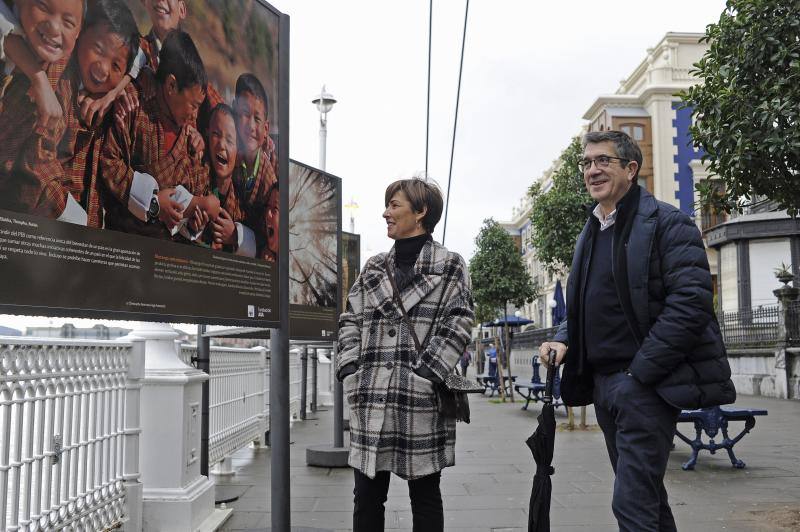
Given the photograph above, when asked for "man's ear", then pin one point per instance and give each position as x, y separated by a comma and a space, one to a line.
171, 85
634, 171
182, 11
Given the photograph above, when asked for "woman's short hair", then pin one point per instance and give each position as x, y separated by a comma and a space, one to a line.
421, 194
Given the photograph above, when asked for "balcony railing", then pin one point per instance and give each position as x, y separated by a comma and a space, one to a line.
750, 328
239, 398
69, 452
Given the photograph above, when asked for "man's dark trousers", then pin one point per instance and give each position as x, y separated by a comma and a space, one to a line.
638, 427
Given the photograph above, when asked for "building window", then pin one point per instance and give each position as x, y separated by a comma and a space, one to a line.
729, 285
709, 216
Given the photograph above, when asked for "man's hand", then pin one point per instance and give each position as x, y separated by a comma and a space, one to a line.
544, 352
224, 229
170, 212
198, 221
48, 110
196, 144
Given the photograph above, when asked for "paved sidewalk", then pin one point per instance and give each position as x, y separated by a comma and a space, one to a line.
489, 488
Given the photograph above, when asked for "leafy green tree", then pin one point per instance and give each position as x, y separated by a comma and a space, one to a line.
557, 214
747, 108
484, 313
498, 275
497, 272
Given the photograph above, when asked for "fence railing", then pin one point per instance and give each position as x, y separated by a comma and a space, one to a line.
533, 338
238, 400
750, 328
793, 324
69, 413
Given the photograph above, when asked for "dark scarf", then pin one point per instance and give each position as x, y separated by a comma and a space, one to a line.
407, 251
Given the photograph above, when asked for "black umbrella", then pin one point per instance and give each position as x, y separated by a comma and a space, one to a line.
541, 443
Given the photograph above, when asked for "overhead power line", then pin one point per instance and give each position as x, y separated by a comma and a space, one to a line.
428, 110
455, 121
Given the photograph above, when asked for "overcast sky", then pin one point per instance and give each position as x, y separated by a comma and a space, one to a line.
531, 70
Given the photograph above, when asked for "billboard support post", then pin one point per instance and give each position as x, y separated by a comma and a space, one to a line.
280, 481
279, 427
203, 363
303, 381
314, 361
338, 407
331, 455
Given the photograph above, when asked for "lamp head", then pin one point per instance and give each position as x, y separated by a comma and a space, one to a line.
324, 101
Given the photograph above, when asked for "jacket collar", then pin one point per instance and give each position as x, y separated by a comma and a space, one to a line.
428, 273
630, 201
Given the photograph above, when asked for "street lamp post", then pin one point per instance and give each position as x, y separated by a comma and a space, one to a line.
329, 455
351, 208
324, 102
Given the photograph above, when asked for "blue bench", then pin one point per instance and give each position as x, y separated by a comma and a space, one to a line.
533, 390
712, 421
489, 379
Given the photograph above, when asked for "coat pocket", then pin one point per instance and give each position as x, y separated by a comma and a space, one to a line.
350, 386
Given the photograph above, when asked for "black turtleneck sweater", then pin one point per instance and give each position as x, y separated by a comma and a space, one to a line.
406, 252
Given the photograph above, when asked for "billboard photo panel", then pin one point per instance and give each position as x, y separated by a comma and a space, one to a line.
314, 227
151, 190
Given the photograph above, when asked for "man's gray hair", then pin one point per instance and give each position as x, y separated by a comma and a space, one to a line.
625, 146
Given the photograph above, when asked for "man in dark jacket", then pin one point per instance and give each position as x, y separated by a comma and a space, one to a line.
640, 341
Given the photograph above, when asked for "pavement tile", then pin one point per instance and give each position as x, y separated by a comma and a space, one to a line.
489, 488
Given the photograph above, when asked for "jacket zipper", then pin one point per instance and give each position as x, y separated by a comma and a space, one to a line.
619, 295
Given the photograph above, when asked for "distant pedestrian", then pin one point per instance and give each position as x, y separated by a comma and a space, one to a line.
466, 358
640, 341
395, 424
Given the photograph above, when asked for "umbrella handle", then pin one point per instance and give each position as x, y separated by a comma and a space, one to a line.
551, 370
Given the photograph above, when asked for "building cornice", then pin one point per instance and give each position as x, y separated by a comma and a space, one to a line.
670, 39
757, 227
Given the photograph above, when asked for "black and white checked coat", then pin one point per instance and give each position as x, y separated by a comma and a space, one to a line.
394, 422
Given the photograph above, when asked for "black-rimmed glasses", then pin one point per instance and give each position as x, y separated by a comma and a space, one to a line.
601, 161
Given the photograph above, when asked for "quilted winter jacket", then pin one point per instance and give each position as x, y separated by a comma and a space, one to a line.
661, 272
394, 420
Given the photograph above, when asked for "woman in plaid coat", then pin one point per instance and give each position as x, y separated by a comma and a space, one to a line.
395, 425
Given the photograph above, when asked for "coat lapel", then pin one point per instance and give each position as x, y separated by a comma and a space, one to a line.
379, 289
428, 273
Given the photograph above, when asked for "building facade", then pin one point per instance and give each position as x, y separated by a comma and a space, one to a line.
519, 227
645, 107
743, 250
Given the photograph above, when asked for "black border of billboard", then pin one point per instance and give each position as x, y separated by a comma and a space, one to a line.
335, 322
282, 264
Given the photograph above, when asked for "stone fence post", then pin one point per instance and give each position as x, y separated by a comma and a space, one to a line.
786, 296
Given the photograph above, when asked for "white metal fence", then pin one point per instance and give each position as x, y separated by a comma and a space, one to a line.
238, 400
69, 429
69, 426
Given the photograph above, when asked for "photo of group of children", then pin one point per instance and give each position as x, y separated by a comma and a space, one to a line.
109, 118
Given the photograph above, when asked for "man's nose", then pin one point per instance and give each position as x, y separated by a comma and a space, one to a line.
52, 26
593, 169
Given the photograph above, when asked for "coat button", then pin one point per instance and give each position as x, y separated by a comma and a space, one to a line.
392, 332
381, 399
389, 365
